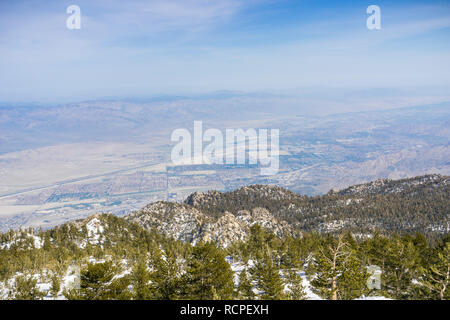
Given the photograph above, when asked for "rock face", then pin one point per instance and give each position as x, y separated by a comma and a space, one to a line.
184, 222
177, 220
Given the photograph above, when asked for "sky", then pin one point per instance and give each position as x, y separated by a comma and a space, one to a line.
144, 48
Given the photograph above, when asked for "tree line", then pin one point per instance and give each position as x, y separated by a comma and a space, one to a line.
127, 262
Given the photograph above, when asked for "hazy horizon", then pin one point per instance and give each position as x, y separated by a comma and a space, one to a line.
151, 48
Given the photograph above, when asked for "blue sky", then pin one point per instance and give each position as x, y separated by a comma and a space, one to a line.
144, 48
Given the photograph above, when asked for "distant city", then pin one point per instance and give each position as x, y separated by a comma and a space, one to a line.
53, 170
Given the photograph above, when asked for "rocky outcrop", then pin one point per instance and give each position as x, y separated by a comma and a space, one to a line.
184, 222
180, 221
197, 198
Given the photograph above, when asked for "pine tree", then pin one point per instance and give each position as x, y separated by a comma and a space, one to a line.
352, 282
207, 269
339, 274
258, 241
94, 282
118, 289
140, 278
437, 276
55, 285
400, 266
165, 278
244, 289
267, 277
327, 263
296, 288
26, 288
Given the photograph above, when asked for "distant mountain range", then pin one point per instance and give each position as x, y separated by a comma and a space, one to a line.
64, 162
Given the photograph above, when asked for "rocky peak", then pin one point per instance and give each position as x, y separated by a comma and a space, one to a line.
187, 223
197, 198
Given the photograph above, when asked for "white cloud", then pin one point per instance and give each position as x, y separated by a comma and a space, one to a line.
132, 47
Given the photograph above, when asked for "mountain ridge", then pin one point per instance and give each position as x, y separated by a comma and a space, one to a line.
406, 206
418, 204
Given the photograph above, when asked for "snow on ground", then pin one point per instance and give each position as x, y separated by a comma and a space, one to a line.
238, 267
310, 295
373, 298
72, 276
